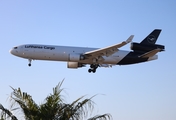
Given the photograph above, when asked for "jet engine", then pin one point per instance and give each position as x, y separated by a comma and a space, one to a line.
145, 47
74, 65
76, 57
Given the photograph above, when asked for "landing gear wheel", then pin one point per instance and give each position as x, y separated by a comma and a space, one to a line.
29, 64
90, 70
94, 70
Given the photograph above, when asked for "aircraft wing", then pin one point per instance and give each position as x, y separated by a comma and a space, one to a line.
107, 51
150, 53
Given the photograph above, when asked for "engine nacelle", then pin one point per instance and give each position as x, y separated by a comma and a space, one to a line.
145, 47
74, 65
76, 57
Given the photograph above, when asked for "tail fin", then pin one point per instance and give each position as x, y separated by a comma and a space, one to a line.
152, 37
148, 44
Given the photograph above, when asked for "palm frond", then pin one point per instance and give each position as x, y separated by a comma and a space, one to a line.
53, 103
77, 109
7, 112
101, 117
24, 101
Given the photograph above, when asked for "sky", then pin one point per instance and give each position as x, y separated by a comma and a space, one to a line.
145, 91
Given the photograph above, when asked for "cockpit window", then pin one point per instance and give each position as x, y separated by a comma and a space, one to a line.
15, 47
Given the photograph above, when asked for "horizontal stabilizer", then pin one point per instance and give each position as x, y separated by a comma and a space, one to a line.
150, 53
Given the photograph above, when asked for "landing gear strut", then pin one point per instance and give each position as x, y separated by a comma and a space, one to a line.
93, 68
29, 62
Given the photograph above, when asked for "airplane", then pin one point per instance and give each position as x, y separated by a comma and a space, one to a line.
77, 57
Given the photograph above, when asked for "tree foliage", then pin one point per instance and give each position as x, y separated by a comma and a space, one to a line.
6, 113
53, 108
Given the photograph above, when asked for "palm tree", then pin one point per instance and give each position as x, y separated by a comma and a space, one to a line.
54, 107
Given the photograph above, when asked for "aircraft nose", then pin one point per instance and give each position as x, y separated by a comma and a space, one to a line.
12, 51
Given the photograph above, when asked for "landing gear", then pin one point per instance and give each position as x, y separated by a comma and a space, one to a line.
90, 70
93, 68
29, 62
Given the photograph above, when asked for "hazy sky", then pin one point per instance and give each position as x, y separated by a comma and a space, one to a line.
145, 91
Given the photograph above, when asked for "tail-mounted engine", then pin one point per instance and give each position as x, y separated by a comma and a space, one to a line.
145, 47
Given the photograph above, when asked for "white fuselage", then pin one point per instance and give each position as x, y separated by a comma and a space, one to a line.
62, 53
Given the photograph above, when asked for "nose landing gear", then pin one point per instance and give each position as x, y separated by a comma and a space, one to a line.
29, 62
93, 68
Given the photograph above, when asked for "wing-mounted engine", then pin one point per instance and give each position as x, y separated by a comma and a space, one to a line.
76, 57
74, 65
145, 47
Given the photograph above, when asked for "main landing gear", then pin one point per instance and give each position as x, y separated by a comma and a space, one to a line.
29, 62
93, 68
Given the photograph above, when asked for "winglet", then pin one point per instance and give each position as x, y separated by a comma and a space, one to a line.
129, 39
